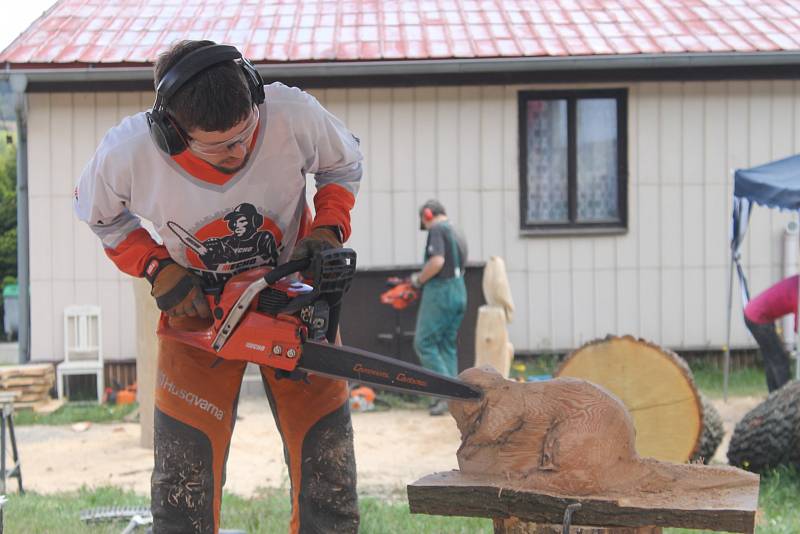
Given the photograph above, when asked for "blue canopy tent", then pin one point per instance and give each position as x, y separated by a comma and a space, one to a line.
773, 185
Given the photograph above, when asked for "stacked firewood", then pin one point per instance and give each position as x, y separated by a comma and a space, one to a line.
30, 383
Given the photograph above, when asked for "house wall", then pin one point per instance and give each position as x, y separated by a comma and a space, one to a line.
664, 280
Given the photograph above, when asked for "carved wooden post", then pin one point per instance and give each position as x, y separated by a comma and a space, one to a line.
147, 315
491, 336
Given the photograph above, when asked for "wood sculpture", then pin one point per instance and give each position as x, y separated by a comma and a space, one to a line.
530, 449
492, 346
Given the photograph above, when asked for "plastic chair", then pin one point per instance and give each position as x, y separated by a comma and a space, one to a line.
82, 346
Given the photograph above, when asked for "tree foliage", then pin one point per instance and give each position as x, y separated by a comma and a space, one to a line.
8, 212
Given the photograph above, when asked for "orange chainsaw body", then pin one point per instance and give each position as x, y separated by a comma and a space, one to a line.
400, 296
260, 338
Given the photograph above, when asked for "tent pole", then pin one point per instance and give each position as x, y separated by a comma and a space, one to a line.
726, 366
796, 318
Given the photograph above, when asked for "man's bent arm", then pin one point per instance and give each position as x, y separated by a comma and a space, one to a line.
124, 239
431, 268
337, 170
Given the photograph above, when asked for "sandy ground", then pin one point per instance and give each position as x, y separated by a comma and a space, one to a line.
393, 449
731, 412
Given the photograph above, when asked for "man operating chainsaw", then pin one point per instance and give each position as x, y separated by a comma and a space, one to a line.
218, 166
444, 295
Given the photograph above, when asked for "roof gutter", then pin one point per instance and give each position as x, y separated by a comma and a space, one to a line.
431, 67
19, 83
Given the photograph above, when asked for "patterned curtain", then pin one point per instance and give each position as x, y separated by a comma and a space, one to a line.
597, 172
547, 162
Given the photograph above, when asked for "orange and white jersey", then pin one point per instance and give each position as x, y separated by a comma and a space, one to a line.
214, 223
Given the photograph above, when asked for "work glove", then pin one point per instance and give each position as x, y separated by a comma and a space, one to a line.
319, 239
415, 281
178, 292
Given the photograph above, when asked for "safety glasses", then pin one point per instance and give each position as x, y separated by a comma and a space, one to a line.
223, 147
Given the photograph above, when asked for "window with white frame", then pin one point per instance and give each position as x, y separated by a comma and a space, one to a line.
573, 161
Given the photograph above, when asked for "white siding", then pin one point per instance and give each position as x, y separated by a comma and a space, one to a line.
68, 265
665, 279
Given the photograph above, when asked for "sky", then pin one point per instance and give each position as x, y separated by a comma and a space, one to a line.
17, 16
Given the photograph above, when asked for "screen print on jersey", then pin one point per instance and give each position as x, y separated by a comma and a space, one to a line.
239, 240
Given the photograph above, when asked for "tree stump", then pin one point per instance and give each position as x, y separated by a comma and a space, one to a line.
769, 434
713, 432
656, 386
515, 526
529, 450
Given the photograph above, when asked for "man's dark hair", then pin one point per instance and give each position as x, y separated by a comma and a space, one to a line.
216, 99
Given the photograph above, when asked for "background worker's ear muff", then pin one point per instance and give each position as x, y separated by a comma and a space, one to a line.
425, 216
165, 132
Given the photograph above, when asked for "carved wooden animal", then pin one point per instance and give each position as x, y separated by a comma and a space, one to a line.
530, 449
564, 435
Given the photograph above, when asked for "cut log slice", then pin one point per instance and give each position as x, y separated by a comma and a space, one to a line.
654, 384
769, 434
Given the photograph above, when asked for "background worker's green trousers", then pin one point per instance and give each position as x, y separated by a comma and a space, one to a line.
440, 313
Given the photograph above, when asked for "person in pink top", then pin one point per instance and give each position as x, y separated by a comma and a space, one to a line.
760, 315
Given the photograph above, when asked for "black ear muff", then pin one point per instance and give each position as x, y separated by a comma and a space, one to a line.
166, 134
254, 81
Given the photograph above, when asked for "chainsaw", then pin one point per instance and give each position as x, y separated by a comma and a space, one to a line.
401, 294
268, 316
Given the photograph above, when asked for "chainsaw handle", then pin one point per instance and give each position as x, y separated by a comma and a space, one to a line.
290, 267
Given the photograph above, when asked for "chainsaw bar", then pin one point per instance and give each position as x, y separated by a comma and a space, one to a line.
359, 365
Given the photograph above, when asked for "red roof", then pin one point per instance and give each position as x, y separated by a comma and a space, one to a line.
135, 31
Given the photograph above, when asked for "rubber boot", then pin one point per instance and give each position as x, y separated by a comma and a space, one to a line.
773, 353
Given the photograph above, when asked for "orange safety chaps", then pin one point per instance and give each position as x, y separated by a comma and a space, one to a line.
195, 411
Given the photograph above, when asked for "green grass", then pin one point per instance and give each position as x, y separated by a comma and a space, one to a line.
74, 412
778, 510
749, 381
742, 382
267, 513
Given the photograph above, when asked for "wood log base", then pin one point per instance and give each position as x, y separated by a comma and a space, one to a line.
726, 503
515, 526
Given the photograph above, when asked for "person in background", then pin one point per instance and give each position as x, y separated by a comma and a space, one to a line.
760, 315
444, 295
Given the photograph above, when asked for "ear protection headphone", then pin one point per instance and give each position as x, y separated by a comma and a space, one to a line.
165, 132
429, 211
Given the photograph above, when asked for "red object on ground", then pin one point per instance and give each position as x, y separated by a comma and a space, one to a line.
364, 392
400, 296
362, 399
126, 396
774, 302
